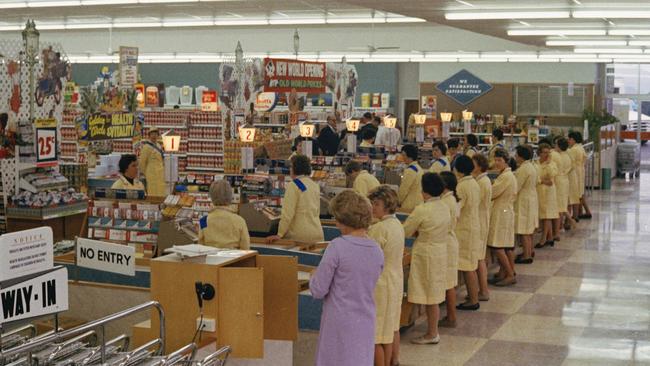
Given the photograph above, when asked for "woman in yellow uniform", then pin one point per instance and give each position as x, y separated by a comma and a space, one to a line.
410, 189
223, 228
485, 185
300, 218
563, 163
526, 205
575, 143
128, 179
440, 163
497, 143
363, 182
152, 164
468, 229
546, 194
389, 291
449, 199
428, 275
574, 181
471, 144
501, 237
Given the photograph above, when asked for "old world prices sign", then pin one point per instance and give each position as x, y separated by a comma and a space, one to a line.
283, 75
464, 87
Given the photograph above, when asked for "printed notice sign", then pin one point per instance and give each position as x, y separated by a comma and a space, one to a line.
25, 252
42, 295
103, 256
464, 87
128, 66
111, 126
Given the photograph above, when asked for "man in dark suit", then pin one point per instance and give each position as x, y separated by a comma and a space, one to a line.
328, 139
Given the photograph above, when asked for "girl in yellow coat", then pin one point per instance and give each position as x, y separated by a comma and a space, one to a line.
428, 275
501, 237
575, 142
440, 163
481, 166
574, 181
546, 194
389, 234
563, 163
128, 174
223, 228
471, 144
449, 199
363, 182
152, 164
526, 205
300, 218
410, 189
468, 229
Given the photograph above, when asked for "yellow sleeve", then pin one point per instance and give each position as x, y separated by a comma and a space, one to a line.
412, 222
522, 177
289, 203
552, 170
407, 183
461, 194
143, 159
377, 233
118, 184
498, 188
360, 186
244, 238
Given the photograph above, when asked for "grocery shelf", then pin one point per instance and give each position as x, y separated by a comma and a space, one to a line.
204, 125
270, 124
204, 140
204, 154
188, 168
180, 127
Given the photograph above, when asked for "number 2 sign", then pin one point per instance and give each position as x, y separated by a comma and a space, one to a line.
46, 146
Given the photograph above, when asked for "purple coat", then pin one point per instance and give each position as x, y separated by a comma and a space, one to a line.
345, 279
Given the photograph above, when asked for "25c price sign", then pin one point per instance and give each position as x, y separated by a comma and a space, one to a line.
46, 146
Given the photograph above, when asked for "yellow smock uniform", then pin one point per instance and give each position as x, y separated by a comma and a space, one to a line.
470, 151
468, 228
452, 243
364, 143
152, 165
502, 213
300, 218
582, 155
574, 181
389, 234
485, 186
563, 163
428, 276
491, 152
364, 183
223, 228
547, 195
526, 205
123, 183
440, 165
410, 189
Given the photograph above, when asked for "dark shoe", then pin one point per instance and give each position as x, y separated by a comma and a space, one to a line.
567, 227
446, 323
524, 261
540, 245
505, 283
468, 307
556, 239
585, 216
550, 243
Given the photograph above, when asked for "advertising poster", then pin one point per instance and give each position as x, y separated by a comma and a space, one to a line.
429, 106
111, 126
209, 101
283, 75
128, 66
464, 87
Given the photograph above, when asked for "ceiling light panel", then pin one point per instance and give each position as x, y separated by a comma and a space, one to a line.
629, 32
476, 15
13, 5
557, 32
608, 50
586, 43
44, 4
613, 14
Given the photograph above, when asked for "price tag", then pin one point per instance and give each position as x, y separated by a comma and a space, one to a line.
46, 146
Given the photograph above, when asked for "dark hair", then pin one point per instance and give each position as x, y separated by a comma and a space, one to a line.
411, 151
4, 119
576, 135
524, 151
367, 115
513, 164
546, 141
498, 133
125, 161
441, 146
543, 146
377, 119
502, 153
368, 134
450, 180
453, 143
464, 165
562, 143
481, 161
352, 166
472, 140
432, 184
301, 165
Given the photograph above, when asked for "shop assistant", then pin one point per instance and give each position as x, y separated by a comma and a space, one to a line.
300, 218
128, 174
223, 228
152, 164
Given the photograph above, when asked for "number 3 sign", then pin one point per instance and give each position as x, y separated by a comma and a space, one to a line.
46, 145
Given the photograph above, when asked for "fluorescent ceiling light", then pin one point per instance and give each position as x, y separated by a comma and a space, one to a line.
44, 4
630, 61
586, 43
137, 25
50, 26
10, 27
608, 50
577, 2
472, 59
241, 22
639, 43
565, 55
585, 60
508, 54
465, 3
291, 21
619, 55
404, 20
629, 32
342, 20
507, 15
557, 32
88, 26
188, 23
374, 59
107, 2
16, 5
625, 14
450, 54
517, 59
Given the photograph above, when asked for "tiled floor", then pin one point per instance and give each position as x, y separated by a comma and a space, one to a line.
584, 302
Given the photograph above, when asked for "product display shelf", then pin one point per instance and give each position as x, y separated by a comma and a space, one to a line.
69, 146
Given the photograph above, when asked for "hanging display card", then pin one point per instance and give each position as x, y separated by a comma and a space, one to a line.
283, 75
464, 87
111, 126
128, 66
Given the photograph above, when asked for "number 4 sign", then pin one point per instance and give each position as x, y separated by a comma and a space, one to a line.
46, 142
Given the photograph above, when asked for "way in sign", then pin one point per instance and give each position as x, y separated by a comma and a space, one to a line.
18, 301
104, 256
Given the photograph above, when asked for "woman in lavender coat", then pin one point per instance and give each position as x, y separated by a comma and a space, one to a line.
345, 279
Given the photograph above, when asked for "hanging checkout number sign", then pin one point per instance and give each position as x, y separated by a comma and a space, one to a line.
46, 142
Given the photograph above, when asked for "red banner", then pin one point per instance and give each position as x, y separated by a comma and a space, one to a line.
282, 75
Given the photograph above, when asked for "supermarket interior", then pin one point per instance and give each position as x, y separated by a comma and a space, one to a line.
296, 182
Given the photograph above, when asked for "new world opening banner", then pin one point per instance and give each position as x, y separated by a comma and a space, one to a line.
283, 75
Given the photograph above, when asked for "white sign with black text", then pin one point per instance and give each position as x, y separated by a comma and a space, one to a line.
25, 252
103, 256
42, 295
